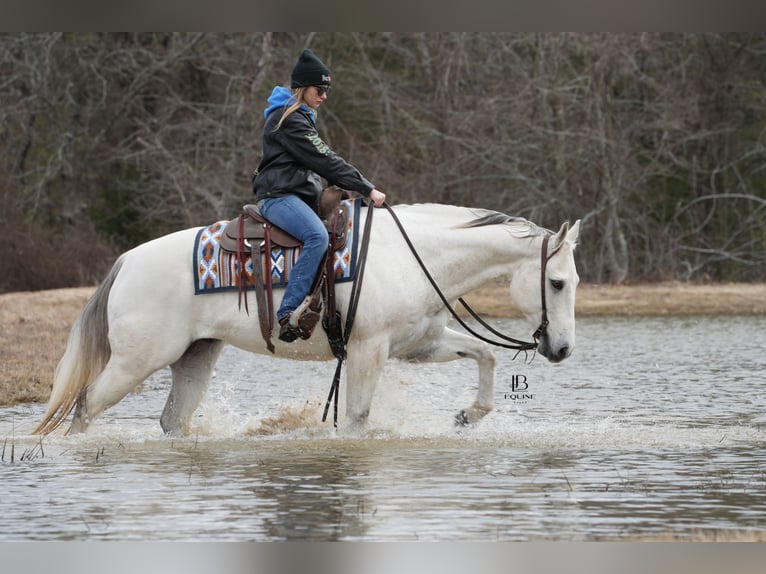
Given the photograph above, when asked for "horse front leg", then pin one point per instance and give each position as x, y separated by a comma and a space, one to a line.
451, 346
364, 365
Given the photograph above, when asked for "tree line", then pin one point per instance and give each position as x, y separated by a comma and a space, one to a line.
654, 140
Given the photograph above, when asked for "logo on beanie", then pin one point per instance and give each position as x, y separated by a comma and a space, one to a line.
309, 71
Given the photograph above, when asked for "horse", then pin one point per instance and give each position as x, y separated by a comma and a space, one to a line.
145, 316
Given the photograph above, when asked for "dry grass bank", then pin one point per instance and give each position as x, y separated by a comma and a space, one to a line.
669, 298
34, 325
33, 331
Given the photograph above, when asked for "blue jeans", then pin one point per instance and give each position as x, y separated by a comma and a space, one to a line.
293, 215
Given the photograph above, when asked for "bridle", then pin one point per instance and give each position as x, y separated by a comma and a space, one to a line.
544, 257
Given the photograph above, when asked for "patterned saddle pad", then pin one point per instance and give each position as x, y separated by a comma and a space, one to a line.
217, 270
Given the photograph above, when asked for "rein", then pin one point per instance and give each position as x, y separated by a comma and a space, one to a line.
514, 344
340, 350
511, 343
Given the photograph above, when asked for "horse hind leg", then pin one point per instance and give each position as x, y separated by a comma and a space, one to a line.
125, 371
191, 377
119, 377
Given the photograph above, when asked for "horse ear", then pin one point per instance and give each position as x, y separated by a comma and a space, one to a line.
574, 233
561, 235
567, 234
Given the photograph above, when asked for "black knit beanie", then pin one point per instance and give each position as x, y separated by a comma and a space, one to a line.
309, 71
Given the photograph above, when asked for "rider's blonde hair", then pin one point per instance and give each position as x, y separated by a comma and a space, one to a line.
298, 94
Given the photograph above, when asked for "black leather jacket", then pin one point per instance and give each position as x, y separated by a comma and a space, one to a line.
294, 158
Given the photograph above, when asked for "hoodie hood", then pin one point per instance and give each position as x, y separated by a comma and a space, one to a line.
281, 97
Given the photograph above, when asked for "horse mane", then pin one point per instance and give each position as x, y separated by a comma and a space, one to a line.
518, 226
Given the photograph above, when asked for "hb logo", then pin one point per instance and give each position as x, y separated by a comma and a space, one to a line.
519, 383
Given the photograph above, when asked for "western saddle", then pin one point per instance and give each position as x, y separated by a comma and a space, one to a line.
252, 235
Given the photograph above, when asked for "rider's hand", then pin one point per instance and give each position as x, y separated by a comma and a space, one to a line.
377, 197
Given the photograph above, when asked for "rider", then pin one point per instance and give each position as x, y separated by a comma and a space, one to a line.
287, 183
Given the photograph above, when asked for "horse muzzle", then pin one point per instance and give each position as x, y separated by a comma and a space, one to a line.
554, 352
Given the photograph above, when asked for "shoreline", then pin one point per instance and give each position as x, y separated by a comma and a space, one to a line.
34, 325
642, 300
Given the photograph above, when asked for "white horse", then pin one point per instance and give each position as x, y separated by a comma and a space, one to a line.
145, 315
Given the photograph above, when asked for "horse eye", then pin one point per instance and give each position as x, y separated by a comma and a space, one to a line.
557, 284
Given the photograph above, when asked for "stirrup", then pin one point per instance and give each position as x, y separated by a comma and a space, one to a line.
287, 332
305, 317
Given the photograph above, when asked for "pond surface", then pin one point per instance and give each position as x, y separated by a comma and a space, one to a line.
653, 427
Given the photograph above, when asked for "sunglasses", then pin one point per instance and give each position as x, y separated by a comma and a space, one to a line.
322, 90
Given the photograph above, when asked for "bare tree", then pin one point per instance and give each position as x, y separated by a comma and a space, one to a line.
656, 141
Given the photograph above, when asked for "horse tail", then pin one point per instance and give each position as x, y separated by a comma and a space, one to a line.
87, 353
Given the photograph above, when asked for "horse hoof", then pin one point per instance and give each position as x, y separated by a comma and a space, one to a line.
461, 419
78, 426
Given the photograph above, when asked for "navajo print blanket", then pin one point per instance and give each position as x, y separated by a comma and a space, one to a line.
217, 270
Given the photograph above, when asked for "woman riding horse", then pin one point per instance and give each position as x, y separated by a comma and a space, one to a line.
287, 182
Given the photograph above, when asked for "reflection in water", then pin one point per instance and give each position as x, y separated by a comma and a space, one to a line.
640, 433
311, 495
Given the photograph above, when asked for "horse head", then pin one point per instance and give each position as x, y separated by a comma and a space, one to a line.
543, 288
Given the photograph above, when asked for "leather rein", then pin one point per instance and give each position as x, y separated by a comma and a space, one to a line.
339, 346
510, 342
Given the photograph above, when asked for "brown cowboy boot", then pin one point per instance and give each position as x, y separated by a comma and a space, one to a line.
287, 332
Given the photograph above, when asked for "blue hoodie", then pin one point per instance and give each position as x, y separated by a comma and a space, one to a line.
281, 97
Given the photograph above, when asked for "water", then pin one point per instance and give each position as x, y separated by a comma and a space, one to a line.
653, 427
